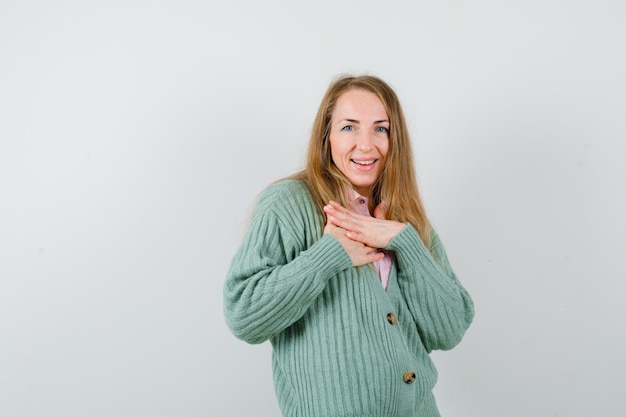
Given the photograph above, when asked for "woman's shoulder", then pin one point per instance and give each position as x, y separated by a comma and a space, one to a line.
288, 194
286, 187
285, 190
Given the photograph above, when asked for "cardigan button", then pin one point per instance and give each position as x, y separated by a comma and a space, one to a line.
409, 377
391, 318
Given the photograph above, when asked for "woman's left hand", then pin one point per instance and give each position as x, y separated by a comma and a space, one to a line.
375, 232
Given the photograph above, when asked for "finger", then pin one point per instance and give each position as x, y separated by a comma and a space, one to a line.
357, 237
334, 206
342, 213
345, 222
332, 220
375, 256
379, 210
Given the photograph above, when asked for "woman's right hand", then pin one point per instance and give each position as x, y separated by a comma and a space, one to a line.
359, 253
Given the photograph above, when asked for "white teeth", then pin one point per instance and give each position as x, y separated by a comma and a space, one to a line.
364, 162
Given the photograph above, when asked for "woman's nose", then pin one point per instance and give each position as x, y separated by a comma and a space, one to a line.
364, 141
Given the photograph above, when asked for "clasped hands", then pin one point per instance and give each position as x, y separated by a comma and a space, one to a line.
361, 236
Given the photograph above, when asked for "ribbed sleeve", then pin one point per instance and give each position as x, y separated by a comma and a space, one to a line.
274, 278
441, 307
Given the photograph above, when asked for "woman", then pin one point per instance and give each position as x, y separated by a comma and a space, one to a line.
352, 303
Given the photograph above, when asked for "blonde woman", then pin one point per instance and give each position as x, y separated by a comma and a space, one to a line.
341, 271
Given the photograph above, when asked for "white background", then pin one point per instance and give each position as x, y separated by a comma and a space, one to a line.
135, 136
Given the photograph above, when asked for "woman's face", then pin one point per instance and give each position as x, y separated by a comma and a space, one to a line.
359, 138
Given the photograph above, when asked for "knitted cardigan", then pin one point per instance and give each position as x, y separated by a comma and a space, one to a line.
342, 345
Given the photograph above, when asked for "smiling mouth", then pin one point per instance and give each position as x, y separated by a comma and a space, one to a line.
370, 162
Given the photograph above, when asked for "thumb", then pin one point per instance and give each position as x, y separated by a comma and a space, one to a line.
379, 210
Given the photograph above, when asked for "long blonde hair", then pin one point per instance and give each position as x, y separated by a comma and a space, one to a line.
397, 183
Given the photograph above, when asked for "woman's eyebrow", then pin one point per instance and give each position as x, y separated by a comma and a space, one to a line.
356, 121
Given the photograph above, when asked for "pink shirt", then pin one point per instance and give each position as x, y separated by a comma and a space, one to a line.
359, 204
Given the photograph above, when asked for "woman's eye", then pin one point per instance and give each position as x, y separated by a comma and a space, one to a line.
348, 128
382, 129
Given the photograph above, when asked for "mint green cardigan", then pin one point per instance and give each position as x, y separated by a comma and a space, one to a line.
342, 345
